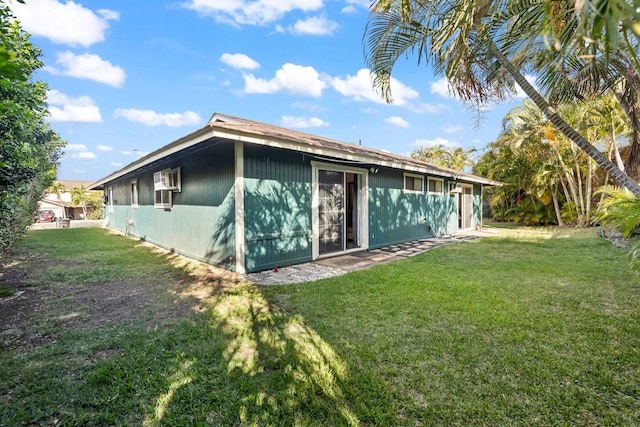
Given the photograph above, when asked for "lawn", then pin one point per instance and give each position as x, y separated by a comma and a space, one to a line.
525, 327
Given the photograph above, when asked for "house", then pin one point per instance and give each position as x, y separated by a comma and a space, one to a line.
60, 202
248, 196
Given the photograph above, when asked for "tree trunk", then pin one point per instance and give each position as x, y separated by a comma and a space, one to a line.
572, 186
551, 114
589, 190
556, 208
631, 110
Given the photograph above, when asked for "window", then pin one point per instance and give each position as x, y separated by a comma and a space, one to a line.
168, 179
413, 183
134, 193
435, 185
163, 199
165, 183
110, 200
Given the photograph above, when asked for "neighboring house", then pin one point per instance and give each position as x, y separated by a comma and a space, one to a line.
248, 196
60, 203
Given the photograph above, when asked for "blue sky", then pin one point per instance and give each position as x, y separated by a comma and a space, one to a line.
127, 77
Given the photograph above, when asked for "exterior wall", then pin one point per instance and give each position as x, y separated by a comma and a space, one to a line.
277, 206
396, 216
201, 222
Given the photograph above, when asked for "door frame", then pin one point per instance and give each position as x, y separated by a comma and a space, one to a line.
463, 208
363, 207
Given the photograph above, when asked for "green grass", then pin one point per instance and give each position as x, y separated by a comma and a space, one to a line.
535, 326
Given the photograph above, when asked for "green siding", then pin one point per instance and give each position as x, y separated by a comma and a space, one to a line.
393, 215
201, 222
277, 208
396, 216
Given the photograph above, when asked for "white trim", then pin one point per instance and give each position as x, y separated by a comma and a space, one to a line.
183, 143
211, 131
110, 200
239, 207
331, 152
134, 193
440, 180
459, 197
164, 203
363, 203
414, 176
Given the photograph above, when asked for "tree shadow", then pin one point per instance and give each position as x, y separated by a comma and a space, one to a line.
255, 365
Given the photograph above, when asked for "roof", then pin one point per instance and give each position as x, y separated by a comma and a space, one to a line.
71, 184
222, 126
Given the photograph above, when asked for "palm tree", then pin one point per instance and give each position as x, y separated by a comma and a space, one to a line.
457, 158
56, 188
80, 197
462, 37
570, 77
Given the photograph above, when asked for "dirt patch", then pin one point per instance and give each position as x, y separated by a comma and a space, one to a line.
35, 315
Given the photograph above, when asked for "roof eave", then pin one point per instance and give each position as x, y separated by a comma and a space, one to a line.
190, 140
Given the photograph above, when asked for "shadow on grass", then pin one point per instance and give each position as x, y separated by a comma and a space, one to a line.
227, 357
258, 366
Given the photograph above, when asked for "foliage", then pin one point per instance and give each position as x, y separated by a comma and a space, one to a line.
621, 210
435, 339
483, 48
29, 149
80, 197
452, 158
538, 163
95, 203
56, 188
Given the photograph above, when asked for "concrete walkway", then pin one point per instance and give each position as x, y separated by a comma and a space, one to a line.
342, 264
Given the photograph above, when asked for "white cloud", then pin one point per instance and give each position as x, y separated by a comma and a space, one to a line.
64, 23
137, 153
151, 118
79, 151
247, 12
362, 3
354, 5
302, 122
239, 60
316, 26
452, 129
360, 88
308, 106
104, 148
397, 121
441, 87
88, 66
437, 141
75, 147
291, 78
63, 108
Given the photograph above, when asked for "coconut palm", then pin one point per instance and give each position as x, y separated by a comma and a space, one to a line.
56, 188
574, 76
465, 41
80, 197
457, 158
